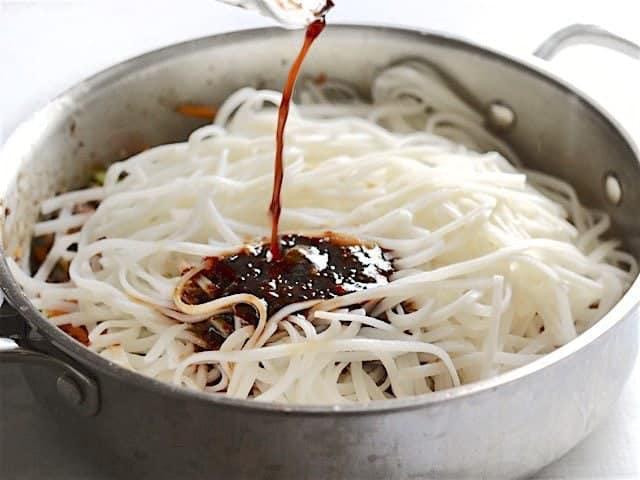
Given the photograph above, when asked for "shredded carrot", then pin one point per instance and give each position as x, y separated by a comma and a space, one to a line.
197, 111
55, 313
79, 333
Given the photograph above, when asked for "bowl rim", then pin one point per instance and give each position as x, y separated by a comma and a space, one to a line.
93, 362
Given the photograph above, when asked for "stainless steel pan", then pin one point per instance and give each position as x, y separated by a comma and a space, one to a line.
505, 427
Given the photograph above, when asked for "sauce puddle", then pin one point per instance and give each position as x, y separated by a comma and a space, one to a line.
310, 268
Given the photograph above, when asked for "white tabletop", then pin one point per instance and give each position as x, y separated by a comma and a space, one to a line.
48, 45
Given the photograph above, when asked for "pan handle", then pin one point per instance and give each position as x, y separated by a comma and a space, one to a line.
580, 34
78, 390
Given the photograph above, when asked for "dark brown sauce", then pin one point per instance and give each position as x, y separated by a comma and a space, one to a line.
215, 330
313, 30
42, 244
309, 268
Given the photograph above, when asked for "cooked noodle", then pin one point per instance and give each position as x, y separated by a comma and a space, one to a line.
495, 266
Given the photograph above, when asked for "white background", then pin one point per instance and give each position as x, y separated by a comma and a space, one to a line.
48, 45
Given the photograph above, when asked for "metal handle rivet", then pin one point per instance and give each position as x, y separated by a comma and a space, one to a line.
69, 390
501, 116
612, 188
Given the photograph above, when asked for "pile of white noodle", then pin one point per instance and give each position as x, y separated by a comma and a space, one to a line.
500, 265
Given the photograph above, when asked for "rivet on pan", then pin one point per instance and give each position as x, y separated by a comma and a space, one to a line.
69, 390
500, 116
612, 188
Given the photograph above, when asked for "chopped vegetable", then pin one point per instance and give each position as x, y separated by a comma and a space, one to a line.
197, 111
98, 177
79, 333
